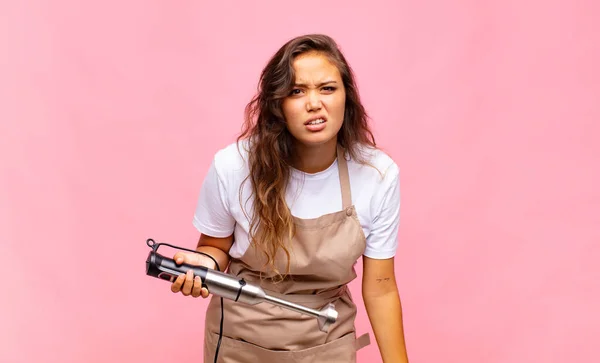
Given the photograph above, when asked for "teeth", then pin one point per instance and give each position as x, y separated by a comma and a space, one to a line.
316, 122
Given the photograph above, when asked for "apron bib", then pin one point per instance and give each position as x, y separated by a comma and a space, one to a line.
323, 253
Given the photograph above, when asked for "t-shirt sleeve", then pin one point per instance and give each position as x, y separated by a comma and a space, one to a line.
212, 216
382, 241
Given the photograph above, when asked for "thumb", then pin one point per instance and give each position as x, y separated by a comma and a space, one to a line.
179, 258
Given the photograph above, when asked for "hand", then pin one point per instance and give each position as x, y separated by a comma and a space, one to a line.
187, 283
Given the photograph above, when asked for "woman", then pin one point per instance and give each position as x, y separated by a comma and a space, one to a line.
292, 205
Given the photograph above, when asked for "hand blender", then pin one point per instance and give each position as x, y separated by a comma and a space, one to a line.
228, 286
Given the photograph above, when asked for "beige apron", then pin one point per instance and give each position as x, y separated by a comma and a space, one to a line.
324, 251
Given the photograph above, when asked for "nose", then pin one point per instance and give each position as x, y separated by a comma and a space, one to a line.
313, 101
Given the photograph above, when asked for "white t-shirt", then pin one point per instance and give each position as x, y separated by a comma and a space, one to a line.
375, 195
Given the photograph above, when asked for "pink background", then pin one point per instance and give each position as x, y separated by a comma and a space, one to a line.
111, 111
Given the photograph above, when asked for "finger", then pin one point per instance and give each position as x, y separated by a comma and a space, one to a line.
196, 289
176, 285
188, 284
205, 292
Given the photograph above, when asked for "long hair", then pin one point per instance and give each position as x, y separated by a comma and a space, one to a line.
270, 144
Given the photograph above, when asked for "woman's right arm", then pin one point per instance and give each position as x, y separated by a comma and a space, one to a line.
216, 247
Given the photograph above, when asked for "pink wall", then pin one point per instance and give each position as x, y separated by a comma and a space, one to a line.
110, 113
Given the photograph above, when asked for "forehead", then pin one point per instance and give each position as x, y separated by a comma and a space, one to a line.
315, 67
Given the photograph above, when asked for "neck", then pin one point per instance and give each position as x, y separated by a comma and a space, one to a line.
314, 159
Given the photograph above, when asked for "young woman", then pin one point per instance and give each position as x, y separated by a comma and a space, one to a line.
291, 206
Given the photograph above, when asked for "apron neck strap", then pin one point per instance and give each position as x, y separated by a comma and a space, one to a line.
344, 178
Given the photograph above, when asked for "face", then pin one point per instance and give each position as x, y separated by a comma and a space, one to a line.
314, 111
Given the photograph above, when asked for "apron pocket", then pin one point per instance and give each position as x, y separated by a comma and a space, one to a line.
341, 350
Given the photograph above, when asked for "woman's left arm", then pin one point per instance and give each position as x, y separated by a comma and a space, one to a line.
382, 301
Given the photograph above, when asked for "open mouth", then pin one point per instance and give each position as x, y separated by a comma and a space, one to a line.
316, 124
317, 121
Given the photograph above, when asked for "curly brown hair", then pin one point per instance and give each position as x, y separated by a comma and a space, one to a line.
270, 146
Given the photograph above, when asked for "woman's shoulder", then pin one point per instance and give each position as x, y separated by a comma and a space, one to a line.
374, 160
232, 159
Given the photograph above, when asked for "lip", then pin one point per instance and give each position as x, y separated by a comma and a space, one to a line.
315, 118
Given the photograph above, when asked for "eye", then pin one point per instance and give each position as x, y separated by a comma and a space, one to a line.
329, 88
295, 91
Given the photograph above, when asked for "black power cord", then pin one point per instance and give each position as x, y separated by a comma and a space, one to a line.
221, 323
220, 332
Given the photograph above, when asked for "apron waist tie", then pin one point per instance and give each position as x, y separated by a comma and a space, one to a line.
362, 341
321, 298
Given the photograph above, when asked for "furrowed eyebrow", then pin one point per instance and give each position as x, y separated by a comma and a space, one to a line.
319, 85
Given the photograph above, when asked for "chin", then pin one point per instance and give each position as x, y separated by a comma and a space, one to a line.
317, 140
